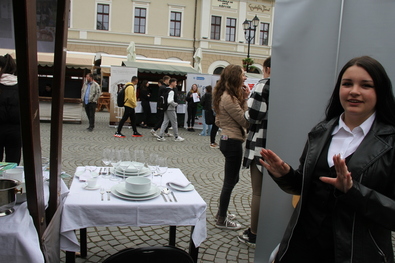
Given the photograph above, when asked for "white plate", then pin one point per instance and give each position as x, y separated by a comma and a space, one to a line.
78, 173
120, 188
144, 172
188, 188
115, 193
91, 188
132, 168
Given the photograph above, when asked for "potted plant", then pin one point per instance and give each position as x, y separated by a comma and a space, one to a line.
248, 61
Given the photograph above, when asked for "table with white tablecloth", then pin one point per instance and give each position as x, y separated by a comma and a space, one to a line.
19, 240
84, 208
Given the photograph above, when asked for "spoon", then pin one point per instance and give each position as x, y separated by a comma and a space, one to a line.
166, 191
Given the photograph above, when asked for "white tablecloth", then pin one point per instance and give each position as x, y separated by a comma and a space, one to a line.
19, 241
84, 208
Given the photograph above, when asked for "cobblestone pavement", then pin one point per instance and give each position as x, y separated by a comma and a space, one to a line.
202, 165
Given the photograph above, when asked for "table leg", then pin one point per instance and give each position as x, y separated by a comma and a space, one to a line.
172, 236
70, 257
83, 241
193, 251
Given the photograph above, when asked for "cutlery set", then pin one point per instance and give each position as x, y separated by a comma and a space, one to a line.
103, 191
167, 192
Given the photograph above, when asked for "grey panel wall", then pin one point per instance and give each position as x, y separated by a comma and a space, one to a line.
312, 40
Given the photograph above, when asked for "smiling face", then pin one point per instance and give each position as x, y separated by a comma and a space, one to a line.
357, 96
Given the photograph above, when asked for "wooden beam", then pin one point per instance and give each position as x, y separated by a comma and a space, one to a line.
26, 53
62, 15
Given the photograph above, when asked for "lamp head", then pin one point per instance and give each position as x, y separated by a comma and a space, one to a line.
255, 21
246, 24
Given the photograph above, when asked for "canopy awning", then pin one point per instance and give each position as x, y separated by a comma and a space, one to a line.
110, 60
73, 59
169, 68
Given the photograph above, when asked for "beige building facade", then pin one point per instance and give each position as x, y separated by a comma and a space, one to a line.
173, 29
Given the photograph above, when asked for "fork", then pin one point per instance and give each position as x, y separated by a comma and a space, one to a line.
102, 191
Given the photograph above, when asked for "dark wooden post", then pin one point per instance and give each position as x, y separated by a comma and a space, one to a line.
55, 167
26, 55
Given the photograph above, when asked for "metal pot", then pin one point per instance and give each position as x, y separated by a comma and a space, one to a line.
7, 195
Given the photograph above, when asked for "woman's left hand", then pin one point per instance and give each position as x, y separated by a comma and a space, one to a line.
343, 182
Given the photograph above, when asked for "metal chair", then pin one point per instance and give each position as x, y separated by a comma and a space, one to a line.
166, 254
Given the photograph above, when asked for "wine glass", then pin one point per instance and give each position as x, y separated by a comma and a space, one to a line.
153, 164
139, 158
106, 158
162, 167
115, 160
124, 157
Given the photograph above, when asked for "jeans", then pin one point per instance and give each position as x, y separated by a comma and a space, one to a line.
213, 133
191, 114
90, 110
10, 143
233, 152
129, 113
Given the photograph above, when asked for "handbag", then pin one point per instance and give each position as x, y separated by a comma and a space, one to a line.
209, 117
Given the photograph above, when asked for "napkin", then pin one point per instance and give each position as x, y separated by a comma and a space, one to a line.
179, 181
87, 173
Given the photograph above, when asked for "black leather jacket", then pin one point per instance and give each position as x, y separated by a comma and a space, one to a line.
364, 217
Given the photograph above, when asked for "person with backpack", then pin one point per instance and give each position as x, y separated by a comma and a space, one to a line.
163, 84
130, 102
169, 105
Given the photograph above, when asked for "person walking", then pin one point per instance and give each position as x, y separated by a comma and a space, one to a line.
160, 112
90, 93
345, 177
145, 95
10, 122
193, 98
230, 105
129, 113
170, 114
258, 104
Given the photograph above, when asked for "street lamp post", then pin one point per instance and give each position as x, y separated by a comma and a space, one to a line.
248, 26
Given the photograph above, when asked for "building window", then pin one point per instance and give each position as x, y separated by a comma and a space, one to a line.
230, 29
103, 15
218, 71
140, 16
215, 27
175, 24
264, 34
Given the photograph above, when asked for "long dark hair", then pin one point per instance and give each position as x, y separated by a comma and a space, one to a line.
231, 80
7, 65
385, 105
143, 85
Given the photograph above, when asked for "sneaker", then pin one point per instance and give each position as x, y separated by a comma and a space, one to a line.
228, 224
168, 135
230, 216
136, 134
179, 139
153, 132
248, 238
119, 135
214, 145
160, 139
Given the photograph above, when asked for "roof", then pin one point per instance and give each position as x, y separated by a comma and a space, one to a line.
169, 68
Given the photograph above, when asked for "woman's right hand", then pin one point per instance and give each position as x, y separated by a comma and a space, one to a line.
274, 164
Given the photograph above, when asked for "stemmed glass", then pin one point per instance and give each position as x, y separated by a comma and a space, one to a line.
153, 165
162, 167
106, 158
139, 158
115, 160
124, 157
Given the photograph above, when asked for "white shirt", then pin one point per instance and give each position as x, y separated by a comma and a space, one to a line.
345, 141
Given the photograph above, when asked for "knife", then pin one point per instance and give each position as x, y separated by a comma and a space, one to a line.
175, 199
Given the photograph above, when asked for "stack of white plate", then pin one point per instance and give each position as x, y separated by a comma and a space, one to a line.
120, 191
131, 170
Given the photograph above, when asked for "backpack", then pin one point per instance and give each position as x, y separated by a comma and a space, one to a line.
162, 100
121, 96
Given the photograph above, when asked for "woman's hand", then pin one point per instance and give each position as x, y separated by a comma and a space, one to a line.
343, 182
246, 91
274, 164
